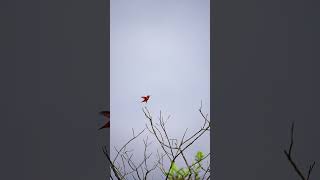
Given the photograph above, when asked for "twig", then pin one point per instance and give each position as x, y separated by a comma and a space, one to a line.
134, 137
115, 171
289, 157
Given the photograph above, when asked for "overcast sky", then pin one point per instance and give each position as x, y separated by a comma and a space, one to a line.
162, 49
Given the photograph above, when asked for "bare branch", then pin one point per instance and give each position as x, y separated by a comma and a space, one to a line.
289, 157
114, 169
172, 148
134, 137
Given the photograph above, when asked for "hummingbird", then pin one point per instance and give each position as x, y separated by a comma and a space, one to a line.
145, 98
106, 114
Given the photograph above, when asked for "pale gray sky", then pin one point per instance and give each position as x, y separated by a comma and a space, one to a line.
160, 48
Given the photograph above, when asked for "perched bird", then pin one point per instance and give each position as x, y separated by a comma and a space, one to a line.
145, 98
107, 115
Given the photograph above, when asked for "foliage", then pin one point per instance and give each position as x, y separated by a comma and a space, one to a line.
176, 173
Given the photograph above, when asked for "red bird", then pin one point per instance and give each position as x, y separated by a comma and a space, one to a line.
107, 115
145, 98
107, 125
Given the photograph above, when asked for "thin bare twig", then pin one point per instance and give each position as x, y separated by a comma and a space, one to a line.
134, 137
289, 157
115, 171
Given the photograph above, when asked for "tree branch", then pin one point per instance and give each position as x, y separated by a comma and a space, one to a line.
289, 157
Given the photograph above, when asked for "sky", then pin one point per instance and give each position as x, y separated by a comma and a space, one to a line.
162, 49
55, 74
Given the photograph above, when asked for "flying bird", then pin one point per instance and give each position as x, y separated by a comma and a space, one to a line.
107, 115
107, 125
145, 98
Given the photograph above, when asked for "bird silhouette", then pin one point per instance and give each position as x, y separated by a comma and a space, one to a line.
145, 98
107, 125
106, 114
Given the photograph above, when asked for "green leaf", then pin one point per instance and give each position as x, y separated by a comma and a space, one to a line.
186, 172
174, 167
199, 156
183, 172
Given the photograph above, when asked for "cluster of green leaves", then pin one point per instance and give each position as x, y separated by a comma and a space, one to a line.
176, 173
